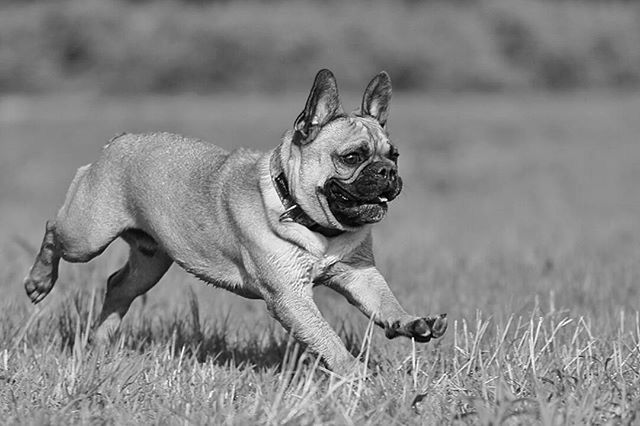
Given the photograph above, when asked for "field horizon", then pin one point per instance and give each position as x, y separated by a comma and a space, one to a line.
519, 218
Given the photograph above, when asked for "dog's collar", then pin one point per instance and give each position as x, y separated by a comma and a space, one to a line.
292, 211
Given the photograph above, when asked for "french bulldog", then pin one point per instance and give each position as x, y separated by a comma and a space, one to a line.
267, 226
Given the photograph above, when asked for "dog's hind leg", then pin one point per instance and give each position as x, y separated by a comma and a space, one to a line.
88, 221
44, 272
146, 265
69, 240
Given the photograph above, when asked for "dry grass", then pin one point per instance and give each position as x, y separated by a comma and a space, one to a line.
519, 218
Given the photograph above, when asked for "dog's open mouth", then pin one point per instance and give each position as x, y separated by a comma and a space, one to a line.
351, 209
341, 195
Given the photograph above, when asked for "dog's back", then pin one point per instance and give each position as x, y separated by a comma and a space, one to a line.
167, 183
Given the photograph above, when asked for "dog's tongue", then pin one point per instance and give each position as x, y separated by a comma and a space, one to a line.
370, 213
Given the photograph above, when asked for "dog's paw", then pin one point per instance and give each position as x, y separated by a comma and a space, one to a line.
421, 329
40, 282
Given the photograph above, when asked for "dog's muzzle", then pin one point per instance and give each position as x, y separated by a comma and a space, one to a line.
365, 199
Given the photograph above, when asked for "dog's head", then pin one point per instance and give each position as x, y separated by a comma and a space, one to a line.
342, 168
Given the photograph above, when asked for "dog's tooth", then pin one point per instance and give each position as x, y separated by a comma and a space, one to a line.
383, 199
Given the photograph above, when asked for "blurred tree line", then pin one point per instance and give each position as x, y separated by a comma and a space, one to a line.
212, 45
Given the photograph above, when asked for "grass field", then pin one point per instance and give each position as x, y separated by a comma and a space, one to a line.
520, 218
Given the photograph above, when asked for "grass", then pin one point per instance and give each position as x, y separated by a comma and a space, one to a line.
520, 218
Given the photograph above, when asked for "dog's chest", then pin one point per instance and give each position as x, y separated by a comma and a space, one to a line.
329, 251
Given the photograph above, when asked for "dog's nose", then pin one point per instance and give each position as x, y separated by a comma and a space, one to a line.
379, 178
387, 171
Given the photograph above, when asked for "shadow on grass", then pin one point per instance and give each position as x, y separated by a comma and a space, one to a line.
181, 334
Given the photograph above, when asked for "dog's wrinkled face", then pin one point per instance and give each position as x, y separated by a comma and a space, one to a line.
365, 175
343, 168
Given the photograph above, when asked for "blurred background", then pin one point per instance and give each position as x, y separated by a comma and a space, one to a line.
517, 123
203, 46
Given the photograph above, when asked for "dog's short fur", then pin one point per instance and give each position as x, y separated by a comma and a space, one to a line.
268, 226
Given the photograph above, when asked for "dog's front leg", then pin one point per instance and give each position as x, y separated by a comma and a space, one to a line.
367, 289
298, 313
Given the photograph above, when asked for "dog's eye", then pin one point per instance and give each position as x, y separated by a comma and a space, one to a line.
351, 159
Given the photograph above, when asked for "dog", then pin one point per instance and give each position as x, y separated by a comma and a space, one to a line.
264, 226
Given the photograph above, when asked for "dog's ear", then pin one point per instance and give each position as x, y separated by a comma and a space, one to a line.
377, 98
323, 104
